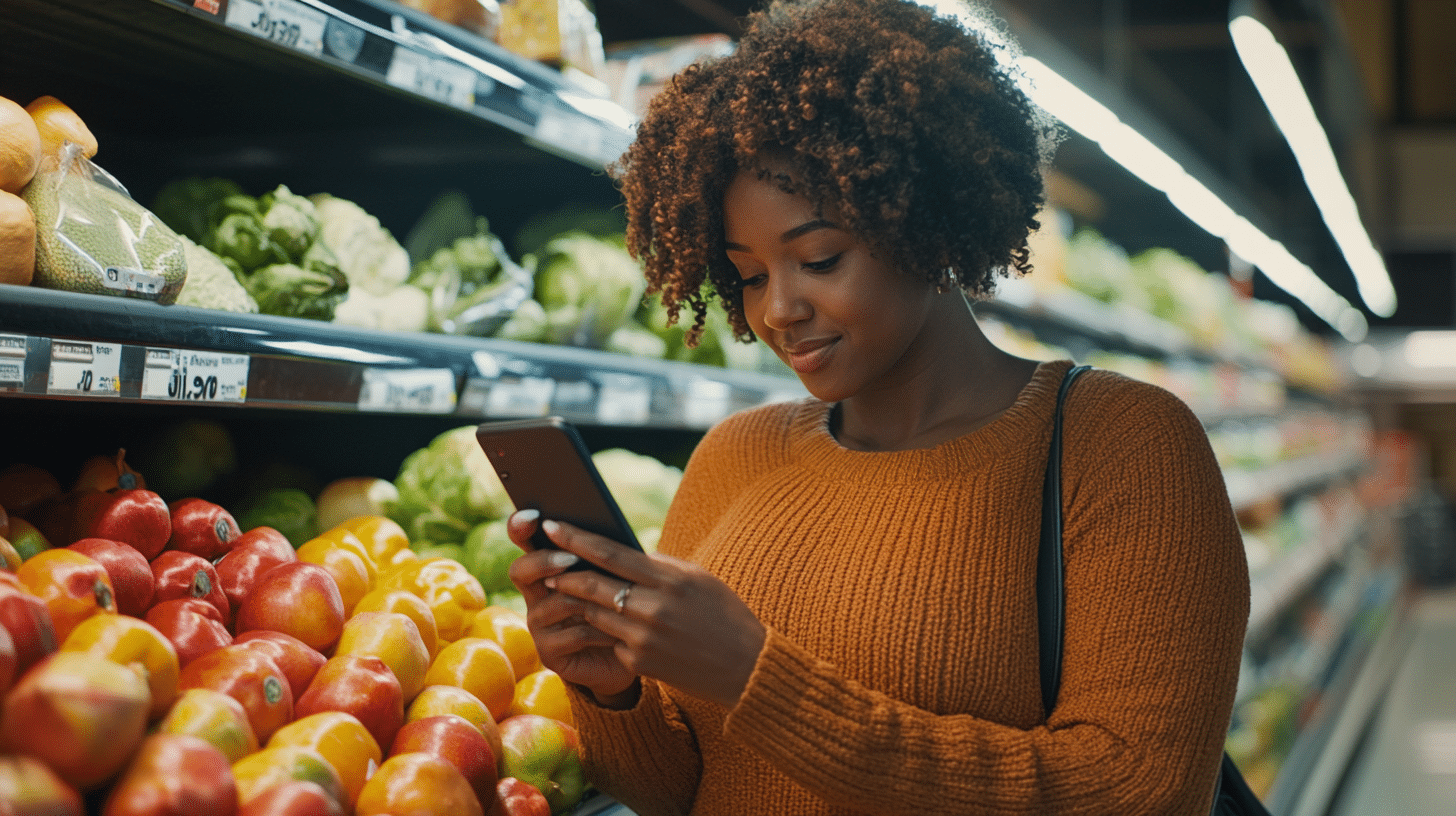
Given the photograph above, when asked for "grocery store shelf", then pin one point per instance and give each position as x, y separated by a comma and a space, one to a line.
378, 42
1289, 578
1248, 487
65, 345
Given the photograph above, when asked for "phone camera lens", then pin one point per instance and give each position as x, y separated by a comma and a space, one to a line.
504, 475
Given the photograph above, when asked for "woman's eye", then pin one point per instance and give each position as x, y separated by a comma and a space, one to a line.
753, 282
822, 266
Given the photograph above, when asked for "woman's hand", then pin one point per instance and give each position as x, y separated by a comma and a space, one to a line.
676, 623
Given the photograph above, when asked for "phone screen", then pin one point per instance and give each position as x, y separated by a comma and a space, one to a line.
545, 466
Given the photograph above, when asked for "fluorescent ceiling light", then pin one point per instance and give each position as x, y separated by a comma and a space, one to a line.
1202, 206
1430, 349
1129, 148
1273, 74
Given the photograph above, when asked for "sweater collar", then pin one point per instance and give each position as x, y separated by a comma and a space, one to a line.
1020, 432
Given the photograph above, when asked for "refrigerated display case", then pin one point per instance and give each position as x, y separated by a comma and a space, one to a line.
374, 102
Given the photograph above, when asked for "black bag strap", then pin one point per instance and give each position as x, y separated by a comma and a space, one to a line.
1050, 605
1231, 794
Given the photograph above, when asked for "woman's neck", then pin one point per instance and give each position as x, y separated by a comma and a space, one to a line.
957, 382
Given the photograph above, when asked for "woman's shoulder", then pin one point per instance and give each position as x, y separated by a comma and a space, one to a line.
1121, 409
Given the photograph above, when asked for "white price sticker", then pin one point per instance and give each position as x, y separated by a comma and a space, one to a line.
195, 376
526, 396
410, 390
705, 402
570, 132
12, 359
440, 79
85, 369
286, 22
624, 399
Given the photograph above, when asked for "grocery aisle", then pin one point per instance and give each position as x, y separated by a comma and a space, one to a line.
1405, 762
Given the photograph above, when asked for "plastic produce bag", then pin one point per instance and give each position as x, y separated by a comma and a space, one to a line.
472, 284
92, 237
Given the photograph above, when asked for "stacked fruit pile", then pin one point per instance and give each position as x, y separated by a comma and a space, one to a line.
157, 659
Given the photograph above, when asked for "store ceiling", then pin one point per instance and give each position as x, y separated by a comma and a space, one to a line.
1379, 73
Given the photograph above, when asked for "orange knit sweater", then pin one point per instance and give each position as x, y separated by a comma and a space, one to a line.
900, 671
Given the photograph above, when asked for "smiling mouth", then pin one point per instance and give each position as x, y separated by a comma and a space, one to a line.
806, 358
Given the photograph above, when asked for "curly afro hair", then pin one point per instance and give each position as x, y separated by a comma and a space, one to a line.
902, 119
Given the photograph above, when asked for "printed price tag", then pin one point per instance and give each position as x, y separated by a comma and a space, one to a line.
624, 400
413, 390
286, 22
570, 132
524, 396
195, 376
85, 369
12, 361
439, 79
705, 402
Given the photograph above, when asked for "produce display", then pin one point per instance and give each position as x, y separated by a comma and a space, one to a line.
159, 658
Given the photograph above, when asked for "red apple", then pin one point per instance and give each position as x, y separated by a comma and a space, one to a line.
254, 553
132, 582
297, 797
516, 798
299, 599
546, 753
28, 620
79, 712
248, 676
193, 625
184, 575
457, 741
361, 685
28, 787
173, 775
298, 660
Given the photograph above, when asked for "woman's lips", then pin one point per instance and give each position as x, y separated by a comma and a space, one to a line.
810, 356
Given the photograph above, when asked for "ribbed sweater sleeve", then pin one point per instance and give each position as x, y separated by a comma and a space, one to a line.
899, 675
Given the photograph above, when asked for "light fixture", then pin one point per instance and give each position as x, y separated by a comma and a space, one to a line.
1278, 84
1079, 111
1430, 349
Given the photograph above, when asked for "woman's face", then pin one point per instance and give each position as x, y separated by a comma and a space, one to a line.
827, 305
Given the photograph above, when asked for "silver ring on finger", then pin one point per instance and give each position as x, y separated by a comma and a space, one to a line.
620, 599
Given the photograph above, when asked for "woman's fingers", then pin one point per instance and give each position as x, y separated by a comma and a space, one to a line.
618, 559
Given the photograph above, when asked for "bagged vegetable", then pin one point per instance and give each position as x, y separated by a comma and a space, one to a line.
92, 237
473, 286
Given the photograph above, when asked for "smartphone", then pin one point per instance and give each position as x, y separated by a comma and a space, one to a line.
544, 465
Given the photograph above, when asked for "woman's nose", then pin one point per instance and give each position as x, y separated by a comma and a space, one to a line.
785, 303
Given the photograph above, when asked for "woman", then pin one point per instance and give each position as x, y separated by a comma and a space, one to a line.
841, 618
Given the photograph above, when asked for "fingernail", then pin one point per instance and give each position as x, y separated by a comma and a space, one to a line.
561, 559
528, 515
549, 527
550, 582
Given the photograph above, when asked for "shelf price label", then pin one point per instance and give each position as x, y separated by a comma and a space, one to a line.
410, 390
12, 361
85, 369
195, 376
569, 131
624, 399
287, 22
442, 80
519, 396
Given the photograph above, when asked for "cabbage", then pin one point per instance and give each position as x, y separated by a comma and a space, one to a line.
446, 489
211, 284
642, 486
367, 252
593, 276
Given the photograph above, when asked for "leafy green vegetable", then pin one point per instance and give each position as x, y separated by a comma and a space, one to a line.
288, 510
473, 286
595, 276
186, 205
367, 252
290, 221
489, 553
446, 488
293, 291
211, 284
527, 323
539, 229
